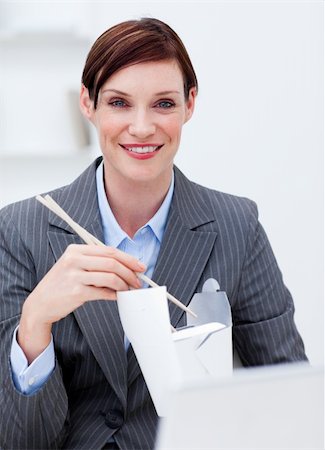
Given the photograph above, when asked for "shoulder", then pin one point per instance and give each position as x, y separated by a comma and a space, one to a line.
199, 204
27, 215
225, 204
23, 208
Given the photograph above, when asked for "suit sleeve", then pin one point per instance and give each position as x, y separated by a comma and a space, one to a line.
264, 329
39, 420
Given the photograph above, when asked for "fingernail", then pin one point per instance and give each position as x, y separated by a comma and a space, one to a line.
139, 283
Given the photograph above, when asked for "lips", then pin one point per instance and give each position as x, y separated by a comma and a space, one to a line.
141, 148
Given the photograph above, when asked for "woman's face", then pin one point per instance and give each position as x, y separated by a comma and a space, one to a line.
139, 118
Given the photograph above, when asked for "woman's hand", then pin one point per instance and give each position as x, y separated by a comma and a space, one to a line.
83, 273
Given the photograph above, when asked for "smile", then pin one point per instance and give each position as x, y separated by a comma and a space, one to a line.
141, 149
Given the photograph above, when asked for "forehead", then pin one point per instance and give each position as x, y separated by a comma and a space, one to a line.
162, 75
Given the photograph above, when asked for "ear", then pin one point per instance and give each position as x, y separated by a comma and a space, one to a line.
190, 103
86, 104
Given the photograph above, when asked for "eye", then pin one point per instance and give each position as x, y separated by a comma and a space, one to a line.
165, 104
118, 103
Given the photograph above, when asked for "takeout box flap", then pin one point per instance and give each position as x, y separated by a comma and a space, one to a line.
215, 353
210, 306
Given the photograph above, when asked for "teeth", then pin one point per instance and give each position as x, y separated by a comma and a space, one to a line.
146, 149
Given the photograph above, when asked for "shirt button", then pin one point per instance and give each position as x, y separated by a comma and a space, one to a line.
31, 381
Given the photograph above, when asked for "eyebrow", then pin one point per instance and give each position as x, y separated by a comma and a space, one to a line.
116, 91
124, 94
167, 92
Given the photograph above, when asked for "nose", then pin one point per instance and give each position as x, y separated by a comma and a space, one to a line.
141, 125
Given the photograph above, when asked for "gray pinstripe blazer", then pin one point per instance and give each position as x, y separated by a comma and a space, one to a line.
96, 388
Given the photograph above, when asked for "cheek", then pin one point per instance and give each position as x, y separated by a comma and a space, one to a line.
110, 126
173, 127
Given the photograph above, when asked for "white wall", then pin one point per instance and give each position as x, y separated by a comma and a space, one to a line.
258, 126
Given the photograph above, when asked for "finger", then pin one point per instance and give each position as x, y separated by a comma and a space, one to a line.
92, 293
104, 279
110, 265
106, 251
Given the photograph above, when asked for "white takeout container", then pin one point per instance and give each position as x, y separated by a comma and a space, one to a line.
170, 359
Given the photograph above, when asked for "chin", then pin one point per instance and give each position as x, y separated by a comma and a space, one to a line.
145, 174
142, 176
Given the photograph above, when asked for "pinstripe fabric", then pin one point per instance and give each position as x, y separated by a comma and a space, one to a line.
208, 234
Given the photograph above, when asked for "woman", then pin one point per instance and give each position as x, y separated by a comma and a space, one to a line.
68, 378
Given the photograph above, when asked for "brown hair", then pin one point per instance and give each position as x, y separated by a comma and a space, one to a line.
133, 42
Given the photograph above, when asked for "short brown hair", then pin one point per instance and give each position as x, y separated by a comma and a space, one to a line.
133, 42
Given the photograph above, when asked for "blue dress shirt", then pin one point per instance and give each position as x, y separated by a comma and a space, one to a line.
144, 245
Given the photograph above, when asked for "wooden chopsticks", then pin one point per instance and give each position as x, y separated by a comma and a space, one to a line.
88, 238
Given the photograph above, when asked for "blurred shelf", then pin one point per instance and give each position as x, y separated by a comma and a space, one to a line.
88, 153
43, 37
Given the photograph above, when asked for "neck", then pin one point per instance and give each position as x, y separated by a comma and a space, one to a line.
134, 203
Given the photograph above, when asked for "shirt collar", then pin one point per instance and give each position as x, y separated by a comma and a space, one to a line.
113, 233
158, 222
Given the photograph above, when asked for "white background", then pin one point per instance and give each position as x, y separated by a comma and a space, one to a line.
257, 130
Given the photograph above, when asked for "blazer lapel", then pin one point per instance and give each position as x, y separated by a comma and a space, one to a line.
184, 252
182, 260
98, 320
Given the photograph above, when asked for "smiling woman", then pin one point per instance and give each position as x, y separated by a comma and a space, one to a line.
139, 130
69, 379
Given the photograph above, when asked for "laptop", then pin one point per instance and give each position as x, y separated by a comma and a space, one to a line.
271, 407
